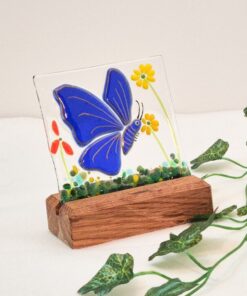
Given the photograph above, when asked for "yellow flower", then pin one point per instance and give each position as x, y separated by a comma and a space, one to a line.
149, 124
135, 178
143, 76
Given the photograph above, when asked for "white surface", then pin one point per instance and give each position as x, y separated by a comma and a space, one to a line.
34, 262
204, 43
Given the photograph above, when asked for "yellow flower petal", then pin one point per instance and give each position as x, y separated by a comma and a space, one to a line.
134, 77
137, 72
155, 128
142, 68
151, 118
148, 130
151, 73
139, 82
148, 68
147, 116
145, 84
151, 79
155, 123
144, 120
144, 127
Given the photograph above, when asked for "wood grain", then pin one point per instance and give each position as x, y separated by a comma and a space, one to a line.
129, 212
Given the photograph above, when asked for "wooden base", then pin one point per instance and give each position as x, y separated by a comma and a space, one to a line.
129, 212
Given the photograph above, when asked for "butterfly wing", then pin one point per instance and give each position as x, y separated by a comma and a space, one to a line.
117, 94
103, 155
87, 116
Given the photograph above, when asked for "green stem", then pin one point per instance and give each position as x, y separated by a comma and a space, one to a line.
234, 220
151, 272
65, 165
196, 261
161, 146
230, 253
235, 162
225, 176
246, 194
205, 277
229, 227
167, 117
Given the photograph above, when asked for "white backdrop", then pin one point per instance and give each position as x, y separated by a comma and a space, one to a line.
204, 43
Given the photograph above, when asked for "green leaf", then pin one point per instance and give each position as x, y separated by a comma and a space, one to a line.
185, 240
226, 212
219, 215
173, 287
214, 152
173, 236
117, 270
245, 111
242, 211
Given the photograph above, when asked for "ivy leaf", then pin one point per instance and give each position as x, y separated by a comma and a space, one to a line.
173, 236
226, 212
214, 152
185, 240
242, 211
245, 111
117, 270
219, 215
173, 287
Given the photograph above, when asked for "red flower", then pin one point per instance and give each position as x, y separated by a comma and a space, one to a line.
67, 148
55, 144
55, 128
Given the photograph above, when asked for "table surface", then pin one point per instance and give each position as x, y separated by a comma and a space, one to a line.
34, 262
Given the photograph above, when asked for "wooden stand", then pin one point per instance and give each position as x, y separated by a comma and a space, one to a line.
129, 212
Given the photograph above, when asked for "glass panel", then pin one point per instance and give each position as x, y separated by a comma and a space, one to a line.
110, 127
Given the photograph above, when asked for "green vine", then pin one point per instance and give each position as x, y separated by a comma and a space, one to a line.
119, 268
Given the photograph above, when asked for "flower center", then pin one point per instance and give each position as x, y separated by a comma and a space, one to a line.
143, 76
148, 122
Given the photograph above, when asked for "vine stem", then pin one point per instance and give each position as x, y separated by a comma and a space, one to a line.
234, 162
196, 261
228, 227
235, 220
64, 164
205, 277
161, 146
230, 253
151, 272
224, 175
246, 194
167, 117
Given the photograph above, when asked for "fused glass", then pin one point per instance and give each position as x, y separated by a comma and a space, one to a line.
110, 127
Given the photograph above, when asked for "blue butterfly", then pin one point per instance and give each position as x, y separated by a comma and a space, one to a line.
89, 118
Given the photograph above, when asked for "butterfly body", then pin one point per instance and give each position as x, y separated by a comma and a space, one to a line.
98, 124
130, 135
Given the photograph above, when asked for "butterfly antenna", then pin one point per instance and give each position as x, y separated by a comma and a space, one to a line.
142, 111
139, 109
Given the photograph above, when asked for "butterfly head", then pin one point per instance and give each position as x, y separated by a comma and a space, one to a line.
136, 123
